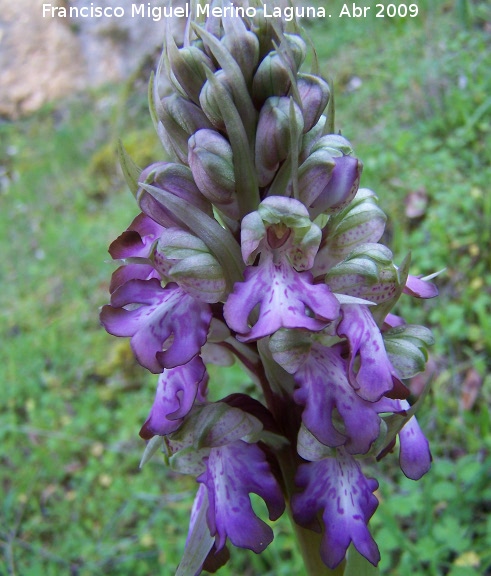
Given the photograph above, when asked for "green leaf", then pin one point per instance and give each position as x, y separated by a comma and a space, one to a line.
153, 445
131, 172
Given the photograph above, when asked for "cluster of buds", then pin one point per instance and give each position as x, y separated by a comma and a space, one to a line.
255, 244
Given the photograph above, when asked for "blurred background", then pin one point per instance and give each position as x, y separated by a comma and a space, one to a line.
413, 95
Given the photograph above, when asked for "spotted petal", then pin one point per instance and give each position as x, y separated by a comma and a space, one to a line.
376, 374
232, 472
337, 488
167, 317
323, 390
286, 299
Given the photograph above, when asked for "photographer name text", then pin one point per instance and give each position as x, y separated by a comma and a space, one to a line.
287, 13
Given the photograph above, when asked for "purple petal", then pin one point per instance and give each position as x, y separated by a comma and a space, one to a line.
415, 455
137, 239
324, 387
232, 472
337, 488
176, 392
286, 299
376, 374
129, 272
164, 313
420, 288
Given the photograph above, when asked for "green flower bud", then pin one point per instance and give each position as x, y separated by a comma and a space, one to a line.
272, 78
242, 45
181, 118
264, 30
210, 101
211, 161
297, 48
273, 136
185, 259
314, 175
314, 95
188, 66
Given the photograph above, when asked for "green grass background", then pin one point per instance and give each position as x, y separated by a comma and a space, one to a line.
414, 98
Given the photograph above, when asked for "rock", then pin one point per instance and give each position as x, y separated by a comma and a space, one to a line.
43, 58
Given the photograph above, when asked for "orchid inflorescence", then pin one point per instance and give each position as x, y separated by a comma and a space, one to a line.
256, 245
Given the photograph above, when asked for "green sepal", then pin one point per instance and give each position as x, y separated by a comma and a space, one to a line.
360, 222
214, 425
290, 348
380, 312
131, 172
407, 348
367, 272
153, 445
219, 240
309, 448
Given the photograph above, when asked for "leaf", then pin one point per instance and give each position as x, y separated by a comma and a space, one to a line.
152, 446
131, 172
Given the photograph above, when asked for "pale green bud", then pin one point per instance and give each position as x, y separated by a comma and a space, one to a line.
181, 118
273, 136
188, 66
314, 95
211, 161
272, 78
210, 100
242, 45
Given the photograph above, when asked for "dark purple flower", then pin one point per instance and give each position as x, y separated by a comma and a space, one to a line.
167, 329
177, 389
337, 488
324, 390
375, 374
232, 472
135, 242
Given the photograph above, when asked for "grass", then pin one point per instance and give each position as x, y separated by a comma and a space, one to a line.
413, 97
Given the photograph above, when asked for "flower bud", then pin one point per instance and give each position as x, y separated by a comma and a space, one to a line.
185, 259
273, 136
314, 175
271, 78
297, 48
176, 179
210, 100
263, 28
341, 188
314, 95
181, 118
211, 161
188, 68
242, 45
